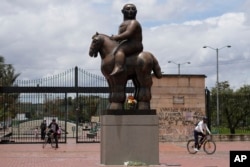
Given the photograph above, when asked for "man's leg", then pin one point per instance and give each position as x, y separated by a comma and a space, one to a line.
119, 63
196, 139
200, 134
202, 137
56, 140
41, 135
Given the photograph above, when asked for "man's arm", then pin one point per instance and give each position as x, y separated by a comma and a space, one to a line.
128, 33
208, 130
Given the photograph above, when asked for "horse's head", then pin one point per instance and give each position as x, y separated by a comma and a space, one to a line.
96, 44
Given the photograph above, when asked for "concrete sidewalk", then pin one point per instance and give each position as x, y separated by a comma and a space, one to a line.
88, 155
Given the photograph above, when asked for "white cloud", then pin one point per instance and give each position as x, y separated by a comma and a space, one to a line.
184, 42
44, 37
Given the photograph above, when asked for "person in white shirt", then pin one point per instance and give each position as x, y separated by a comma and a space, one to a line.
200, 130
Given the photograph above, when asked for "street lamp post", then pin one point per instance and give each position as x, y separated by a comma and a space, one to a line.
217, 78
179, 65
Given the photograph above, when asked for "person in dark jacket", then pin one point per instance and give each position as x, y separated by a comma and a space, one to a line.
53, 126
43, 127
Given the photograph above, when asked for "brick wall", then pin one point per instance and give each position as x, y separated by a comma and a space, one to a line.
180, 102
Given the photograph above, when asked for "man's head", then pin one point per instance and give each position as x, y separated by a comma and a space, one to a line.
204, 119
53, 120
129, 11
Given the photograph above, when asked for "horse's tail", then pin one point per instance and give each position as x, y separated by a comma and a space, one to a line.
156, 68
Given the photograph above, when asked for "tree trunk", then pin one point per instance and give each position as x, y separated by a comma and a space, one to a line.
232, 130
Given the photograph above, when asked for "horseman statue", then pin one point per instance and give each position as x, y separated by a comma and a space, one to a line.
123, 59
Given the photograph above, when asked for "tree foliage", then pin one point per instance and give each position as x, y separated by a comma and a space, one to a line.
234, 106
7, 73
7, 78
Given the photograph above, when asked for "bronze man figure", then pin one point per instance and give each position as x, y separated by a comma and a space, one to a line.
123, 59
129, 37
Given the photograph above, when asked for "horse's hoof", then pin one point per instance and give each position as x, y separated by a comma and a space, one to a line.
144, 106
115, 106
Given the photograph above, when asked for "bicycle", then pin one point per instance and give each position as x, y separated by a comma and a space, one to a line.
49, 138
208, 144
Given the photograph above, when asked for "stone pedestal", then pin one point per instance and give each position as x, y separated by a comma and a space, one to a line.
129, 138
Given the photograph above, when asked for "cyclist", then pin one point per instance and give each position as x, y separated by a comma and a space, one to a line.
53, 126
200, 130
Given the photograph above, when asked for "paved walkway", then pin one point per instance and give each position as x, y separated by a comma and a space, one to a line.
88, 155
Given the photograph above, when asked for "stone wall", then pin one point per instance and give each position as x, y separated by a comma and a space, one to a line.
231, 137
180, 102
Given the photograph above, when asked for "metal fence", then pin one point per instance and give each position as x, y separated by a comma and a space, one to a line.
75, 98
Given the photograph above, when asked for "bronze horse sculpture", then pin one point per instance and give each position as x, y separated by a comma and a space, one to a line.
138, 69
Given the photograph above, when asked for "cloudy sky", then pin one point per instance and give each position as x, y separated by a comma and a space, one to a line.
41, 38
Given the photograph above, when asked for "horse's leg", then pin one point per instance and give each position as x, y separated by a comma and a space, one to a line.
144, 95
143, 73
118, 92
136, 91
110, 91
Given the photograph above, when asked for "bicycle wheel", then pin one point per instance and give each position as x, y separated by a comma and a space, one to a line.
53, 142
209, 146
191, 146
45, 142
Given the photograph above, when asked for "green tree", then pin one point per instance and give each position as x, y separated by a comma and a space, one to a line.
245, 90
7, 78
235, 109
224, 88
234, 105
86, 106
7, 73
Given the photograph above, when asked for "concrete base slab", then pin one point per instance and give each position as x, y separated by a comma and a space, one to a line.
131, 138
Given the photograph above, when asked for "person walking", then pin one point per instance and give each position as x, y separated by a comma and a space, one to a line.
43, 127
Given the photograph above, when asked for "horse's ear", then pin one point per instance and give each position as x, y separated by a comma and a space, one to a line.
96, 33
